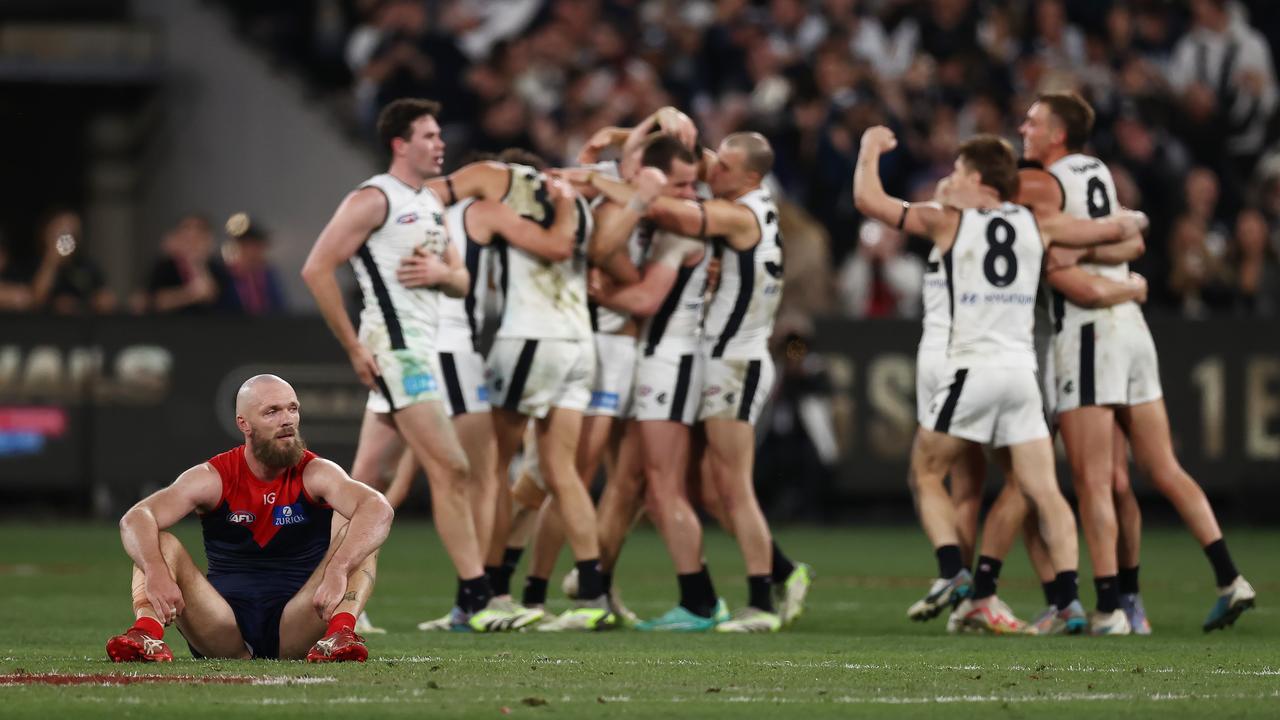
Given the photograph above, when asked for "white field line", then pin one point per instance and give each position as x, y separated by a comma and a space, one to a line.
1264, 671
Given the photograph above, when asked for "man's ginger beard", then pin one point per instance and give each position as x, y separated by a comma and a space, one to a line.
272, 455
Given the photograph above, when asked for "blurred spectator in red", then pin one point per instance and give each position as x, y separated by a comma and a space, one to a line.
68, 281
187, 278
1258, 280
880, 279
255, 283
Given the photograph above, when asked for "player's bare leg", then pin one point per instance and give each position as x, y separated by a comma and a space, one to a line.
967, 477
1129, 547
933, 454
731, 448
984, 610
1147, 426
305, 634
1033, 466
622, 499
548, 538
665, 449
475, 432
1087, 433
207, 621
429, 432
557, 441
402, 481
378, 449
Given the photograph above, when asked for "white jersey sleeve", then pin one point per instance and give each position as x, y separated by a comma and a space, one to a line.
677, 326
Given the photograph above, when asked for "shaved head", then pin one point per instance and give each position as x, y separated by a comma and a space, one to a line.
757, 153
267, 413
252, 389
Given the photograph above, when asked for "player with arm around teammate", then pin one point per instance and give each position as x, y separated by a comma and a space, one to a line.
286, 579
992, 258
391, 217
1093, 395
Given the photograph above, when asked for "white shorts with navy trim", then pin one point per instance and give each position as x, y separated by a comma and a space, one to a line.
462, 375
736, 389
1105, 363
532, 376
615, 374
994, 406
668, 387
406, 377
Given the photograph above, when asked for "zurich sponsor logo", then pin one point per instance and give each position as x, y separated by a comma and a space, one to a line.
407, 218
288, 515
241, 517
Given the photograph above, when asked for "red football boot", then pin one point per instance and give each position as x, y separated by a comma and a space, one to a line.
137, 646
339, 646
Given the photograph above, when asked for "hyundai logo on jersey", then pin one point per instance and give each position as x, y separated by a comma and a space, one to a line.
241, 517
407, 218
288, 515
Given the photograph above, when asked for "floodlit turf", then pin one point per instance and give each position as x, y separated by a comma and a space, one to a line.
65, 589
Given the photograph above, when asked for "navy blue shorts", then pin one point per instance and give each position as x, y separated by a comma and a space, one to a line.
258, 601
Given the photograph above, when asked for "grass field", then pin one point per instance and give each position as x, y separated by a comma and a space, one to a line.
64, 589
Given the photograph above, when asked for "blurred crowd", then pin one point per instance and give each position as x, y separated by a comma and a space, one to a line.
1185, 91
196, 272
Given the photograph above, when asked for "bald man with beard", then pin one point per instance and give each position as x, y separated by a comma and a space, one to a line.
284, 574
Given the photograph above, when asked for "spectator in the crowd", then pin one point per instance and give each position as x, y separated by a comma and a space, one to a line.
880, 279
807, 267
1201, 277
68, 281
1258, 276
1223, 74
255, 282
188, 278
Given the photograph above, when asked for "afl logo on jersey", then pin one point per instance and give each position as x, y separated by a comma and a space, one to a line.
407, 218
241, 517
288, 515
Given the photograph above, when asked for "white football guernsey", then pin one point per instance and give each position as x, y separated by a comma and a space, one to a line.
740, 317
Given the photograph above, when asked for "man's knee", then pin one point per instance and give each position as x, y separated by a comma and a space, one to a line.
174, 553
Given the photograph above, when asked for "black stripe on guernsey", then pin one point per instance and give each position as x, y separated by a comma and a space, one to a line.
933, 266
386, 392
505, 262
449, 369
520, 375
1087, 393
683, 377
594, 311
746, 285
749, 385
394, 334
951, 291
658, 325
943, 423
387, 213
1062, 190
473, 268
1059, 309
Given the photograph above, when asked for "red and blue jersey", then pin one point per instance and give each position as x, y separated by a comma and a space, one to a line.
258, 527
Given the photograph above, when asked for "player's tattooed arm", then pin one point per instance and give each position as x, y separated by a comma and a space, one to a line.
370, 518
931, 220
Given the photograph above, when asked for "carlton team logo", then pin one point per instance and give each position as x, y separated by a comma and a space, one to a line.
241, 517
407, 218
